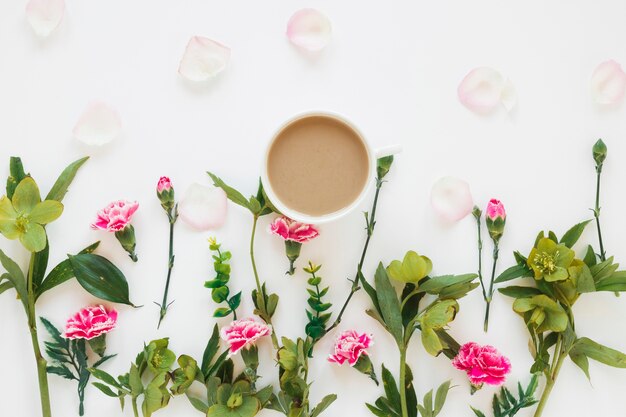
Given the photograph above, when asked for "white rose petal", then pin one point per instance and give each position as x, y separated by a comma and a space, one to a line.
45, 16
451, 199
203, 208
203, 59
98, 125
309, 29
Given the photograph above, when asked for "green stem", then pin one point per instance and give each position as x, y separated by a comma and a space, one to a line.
403, 404
170, 265
480, 258
42, 365
596, 212
555, 369
496, 251
371, 223
135, 410
259, 288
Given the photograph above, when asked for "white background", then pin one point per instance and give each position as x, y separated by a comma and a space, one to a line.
392, 68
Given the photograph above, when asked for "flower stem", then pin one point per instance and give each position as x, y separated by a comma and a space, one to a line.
480, 256
135, 410
371, 223
42, 372
170, 265
403, 405
259, 288
550, 381
496, 251
596, 212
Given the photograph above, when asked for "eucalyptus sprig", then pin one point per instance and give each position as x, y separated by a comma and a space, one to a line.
69, 359
24, 216
219, 285
318, 315
401, 315
507, 405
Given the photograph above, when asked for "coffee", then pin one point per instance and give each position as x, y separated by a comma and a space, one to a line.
317, 165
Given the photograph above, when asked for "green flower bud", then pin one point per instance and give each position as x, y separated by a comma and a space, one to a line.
599, 152
383, 165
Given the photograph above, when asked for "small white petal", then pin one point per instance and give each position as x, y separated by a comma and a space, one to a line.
98, 125
608, 83
45, 16
309, 29
203, 59
451, 198
483, 89
203, 208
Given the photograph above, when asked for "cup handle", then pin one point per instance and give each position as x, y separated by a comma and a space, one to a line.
387, 151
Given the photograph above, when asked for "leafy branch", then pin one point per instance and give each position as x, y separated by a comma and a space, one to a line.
507, 405
316, 327
219, 285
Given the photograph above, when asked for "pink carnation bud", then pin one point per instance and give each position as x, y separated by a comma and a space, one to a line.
244, 333
116, 216
349, 346
495, 209
483, 364
90, 322
165, 184
292, 230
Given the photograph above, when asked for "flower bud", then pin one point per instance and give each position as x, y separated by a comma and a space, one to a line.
126, 237
383, 165
165, 192
495, 217
599, 152
477, 212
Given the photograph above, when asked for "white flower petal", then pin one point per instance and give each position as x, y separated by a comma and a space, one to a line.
45, 16
484, 88
203, 208
608, 83
451, 198
309, 29
203, 59
98, 125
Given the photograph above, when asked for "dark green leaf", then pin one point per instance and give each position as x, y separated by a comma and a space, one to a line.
410, 299
222, 312
590, 257
391, 389
16, 277
376, 411
478, 412
54, 332
570, 237
40, 265
323, 405
105, 389
440, 397
371, 292
389, 304
232, 194
103, 360
100, 278
61, 371
61, 273
436, 284
519, 292
58, 190
516, 271
210, 350
600, 353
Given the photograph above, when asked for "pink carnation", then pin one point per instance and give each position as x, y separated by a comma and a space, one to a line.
90, 322
483, 364
495, 209
244, 333
164, 184
350, 346
292, 230
116, 216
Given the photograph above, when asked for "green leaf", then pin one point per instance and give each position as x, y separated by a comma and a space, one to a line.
156, 395
440, 397
222, 312
7, 285
16, 277
61, 273
389, 304
323, 405
598, 352
39, 267
61, 371
134, 381
590, 257
478, 412
105, 389
519, 292
198, 404
376, 411
16, 176
53, 331
105, 377
570, 237
516, 271
436, 284
61, 185
210, 351
615, 282
391, 389
100, 278
232, 194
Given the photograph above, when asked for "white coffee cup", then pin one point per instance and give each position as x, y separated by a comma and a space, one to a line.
373, 155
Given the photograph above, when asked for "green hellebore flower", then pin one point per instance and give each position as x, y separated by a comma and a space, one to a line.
550, 260
158, 356
542, 312
25, 216
413, 268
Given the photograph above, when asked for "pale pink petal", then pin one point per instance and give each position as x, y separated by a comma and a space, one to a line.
98, 125
203, 59
608, 83
309, 29
203, 208
45, 16
483, 89
451, 198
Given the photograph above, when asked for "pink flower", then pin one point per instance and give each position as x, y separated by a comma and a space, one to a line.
495, 209
165, 184
90, 322
292, 230
483, 364
350, 346
116, 216
244, 333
